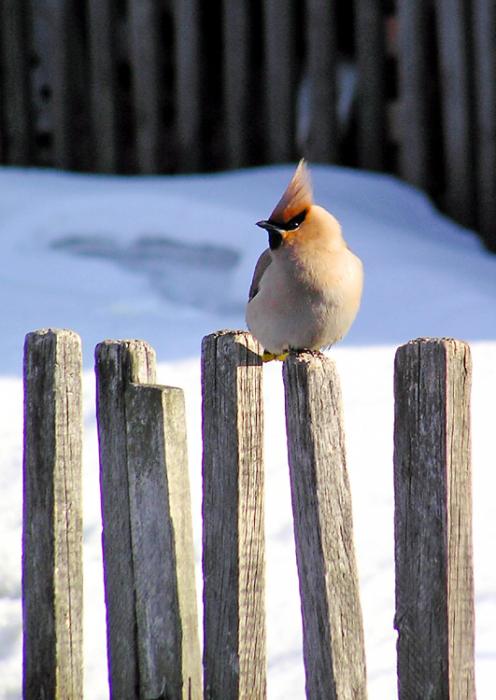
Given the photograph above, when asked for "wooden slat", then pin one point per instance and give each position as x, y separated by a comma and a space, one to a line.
116, 365
187, 60
333, 645
17, 132
280, 79
370, 51
147, 529
143, 34
52, 569
415, 92
433, 521
321, 72
162, 544
454, 31
53, 82
236, 80
234, 656
102, 74
484, 12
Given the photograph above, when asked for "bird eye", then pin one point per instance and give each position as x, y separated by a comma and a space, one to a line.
296, 221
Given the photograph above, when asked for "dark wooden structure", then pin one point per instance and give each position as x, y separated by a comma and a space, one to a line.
151, 86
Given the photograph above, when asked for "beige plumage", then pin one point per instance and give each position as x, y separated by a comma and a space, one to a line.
307, 285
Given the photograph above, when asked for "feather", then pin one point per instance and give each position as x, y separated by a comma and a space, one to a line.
297, 197
263, 263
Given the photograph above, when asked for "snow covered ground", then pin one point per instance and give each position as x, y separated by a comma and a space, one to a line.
169, 259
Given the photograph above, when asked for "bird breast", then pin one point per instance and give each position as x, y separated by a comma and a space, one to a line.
306, 301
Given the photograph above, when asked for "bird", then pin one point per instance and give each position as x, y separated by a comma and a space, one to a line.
307, 285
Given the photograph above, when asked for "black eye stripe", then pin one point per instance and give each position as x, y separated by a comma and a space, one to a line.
292, 223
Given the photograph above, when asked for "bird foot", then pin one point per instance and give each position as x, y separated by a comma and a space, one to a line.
269, 356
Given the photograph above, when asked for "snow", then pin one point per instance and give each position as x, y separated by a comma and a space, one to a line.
169, 259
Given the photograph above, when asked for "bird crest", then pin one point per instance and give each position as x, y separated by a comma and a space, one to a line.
297, 197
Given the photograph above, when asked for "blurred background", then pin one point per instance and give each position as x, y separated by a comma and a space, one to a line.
169, 86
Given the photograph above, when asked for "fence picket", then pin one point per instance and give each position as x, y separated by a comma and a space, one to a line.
433, 511
144, 58
236, 85
322, 143
188, 63
484, 12
233, 518
416, 94
371, 117
333, 645
102, 70
147, 531
17, 141
454, 38
280, 80
52, 569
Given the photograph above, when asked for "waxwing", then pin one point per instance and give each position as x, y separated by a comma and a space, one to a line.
307, 285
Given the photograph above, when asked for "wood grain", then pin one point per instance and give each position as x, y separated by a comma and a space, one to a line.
233, 518
147, 520
333, 645
162, 544
52, 569
116, 365
433, 521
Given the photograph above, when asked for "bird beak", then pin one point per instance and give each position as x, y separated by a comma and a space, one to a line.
268, 226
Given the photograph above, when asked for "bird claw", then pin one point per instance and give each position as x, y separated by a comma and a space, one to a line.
269, 356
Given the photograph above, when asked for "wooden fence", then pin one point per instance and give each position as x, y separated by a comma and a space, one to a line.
152, 632
177, 85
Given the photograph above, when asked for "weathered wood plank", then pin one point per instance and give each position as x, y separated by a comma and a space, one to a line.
321, 68
148, 538
454, 31
116, 365
370, 51
484, 16
415, 92
187, 60
280, 80
144, 58
433, 521
333, 645
52, 570
234, 656
236, 67
15, 85
102, 71
162, 544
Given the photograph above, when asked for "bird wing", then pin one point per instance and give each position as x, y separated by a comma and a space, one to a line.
263, 263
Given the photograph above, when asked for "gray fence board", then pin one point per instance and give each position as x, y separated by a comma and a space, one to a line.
333, 645
433, 520
234, 656
52, 539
